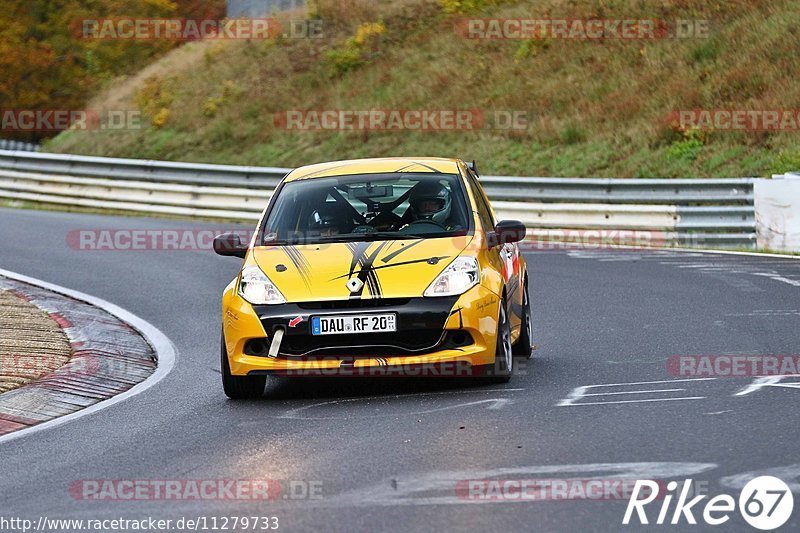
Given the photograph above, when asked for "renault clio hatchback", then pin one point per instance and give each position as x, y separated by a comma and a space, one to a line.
375, 267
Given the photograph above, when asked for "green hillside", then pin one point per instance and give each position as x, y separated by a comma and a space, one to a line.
594, 107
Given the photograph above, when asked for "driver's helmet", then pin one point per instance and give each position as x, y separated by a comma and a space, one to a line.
430, 200
329, 219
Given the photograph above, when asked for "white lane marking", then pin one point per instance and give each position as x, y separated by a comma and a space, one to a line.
163, 347
720, 267
396, 396
639, 401
651, 382
632, 392
790, 474
297, 414
575, 394
768, 313
777, 277
775, 257
635, 362
441, 488
580, 392
691, 252
770, 381
499, 403
719, 412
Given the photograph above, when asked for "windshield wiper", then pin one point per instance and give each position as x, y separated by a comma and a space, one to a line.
376, 235
345, 237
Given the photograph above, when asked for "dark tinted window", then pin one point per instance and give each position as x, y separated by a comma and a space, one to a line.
367, 207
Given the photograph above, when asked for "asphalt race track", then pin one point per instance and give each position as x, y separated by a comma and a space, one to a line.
388, 454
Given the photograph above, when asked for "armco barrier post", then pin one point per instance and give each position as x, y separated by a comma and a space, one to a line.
777, 205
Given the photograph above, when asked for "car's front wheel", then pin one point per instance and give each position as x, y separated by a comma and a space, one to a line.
503, 368
239, 387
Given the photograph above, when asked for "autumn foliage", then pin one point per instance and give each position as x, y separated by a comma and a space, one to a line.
45, 64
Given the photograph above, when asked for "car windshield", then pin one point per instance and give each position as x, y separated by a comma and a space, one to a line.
367, 207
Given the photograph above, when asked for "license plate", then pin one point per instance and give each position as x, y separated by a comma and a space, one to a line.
337, 325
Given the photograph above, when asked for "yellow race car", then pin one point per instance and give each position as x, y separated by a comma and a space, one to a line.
375, 267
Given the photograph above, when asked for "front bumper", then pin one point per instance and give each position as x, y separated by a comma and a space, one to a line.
441, 334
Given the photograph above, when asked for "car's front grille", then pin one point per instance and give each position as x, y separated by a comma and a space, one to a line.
420, 327
400, 343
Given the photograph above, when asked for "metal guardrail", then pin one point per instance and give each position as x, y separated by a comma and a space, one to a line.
609, 190
705, 212
144, 170
6, 144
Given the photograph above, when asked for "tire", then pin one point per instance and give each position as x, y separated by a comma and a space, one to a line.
503, 368
239, 387
524, 346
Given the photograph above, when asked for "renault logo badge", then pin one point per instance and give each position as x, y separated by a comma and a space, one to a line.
354, 284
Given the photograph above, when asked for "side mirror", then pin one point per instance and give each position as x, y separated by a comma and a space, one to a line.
229, 244
505, 232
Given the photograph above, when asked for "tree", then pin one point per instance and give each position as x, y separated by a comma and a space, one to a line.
47, 64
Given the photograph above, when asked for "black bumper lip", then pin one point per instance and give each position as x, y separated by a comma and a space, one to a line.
420, 325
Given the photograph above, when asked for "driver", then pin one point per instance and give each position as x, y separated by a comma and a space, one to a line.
327, 221
430, 200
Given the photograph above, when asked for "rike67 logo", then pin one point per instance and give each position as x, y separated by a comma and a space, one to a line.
765, 503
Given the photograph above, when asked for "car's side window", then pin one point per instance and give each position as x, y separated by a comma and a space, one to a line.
484, 213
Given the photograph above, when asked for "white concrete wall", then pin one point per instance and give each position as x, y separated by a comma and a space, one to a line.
777, 203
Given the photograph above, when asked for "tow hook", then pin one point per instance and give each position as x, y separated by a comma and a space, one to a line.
277, 337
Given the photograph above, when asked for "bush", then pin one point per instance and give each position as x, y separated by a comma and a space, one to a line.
572, 135
689, 147
366, 32
160, 119
707, 51
786, 162
343, 60
467, 6
530, 47
211, 106
153, 100
350, 56
153, 96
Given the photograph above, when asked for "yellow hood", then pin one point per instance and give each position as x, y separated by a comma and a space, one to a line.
387, 269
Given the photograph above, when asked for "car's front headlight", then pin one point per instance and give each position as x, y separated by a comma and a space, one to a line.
461, 275
256, 287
